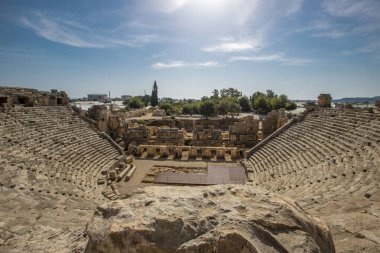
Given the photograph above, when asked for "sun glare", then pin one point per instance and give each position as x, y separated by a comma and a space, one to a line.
210, 5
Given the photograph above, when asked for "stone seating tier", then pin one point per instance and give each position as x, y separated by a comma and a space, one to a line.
50, 161
329, 163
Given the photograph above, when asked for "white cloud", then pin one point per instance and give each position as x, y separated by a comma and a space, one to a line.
230, 47
134, 40
181, 64
297, 62
246, 9
166, 6
260, 58
74, 34
329, 34
353, 8
293, 7
170, 65
281, 58
208, 64
323, 29
251, 24
316, 25
60, 33
263, 12
133, 24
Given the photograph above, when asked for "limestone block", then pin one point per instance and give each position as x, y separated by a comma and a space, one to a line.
220, 153
164, 151
206, 153
151, 151
129, 159
243, 219
192, 152
234, 154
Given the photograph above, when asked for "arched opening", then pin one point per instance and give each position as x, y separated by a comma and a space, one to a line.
22, 100
3, 100
59, 101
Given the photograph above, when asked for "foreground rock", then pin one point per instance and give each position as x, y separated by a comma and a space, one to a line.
206, 219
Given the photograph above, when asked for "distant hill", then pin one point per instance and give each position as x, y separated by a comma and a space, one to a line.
357, 100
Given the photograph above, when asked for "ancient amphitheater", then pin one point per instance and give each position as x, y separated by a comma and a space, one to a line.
312, 183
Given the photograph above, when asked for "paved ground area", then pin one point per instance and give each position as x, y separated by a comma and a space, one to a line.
216, 174
143, 166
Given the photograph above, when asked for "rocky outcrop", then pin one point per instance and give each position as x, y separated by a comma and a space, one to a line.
206, 219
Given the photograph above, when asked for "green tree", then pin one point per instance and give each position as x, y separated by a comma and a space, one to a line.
167, 107
266, 102
195, 107
255, 96
215, 94
154, 97
228, 105
271, 94
262, 104
223, 107
146, 99
167, 100
135, 103
244, 103
186, 109
234, 107
274, 102
207, 108
177, 108
283, 100
289, 106
190, 108
205, 98
230, 92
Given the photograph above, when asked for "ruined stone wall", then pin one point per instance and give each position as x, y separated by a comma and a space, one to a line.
241, 133
226, 154
114, 122
100, 114
244, 134
282, 119
159, 113
274, 121
11, 96
164, 122
136, 135
324, 100
135, 113
116, 127
189, 124
170, 136
269, 123
207, 136
222, 124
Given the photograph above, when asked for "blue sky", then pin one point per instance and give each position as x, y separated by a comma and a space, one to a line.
296, 47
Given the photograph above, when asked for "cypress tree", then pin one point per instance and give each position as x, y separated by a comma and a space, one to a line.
154, 97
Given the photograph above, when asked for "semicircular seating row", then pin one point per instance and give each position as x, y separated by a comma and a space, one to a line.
329, 163
50, 160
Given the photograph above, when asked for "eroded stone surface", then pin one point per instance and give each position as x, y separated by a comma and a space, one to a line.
206, 219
